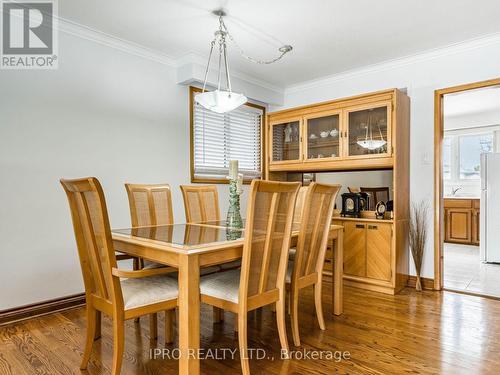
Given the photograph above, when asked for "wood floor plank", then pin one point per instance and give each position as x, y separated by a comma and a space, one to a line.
415, 333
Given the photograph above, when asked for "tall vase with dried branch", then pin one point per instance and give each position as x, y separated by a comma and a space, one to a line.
418, 236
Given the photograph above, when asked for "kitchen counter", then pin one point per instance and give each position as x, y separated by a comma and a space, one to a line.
459, 197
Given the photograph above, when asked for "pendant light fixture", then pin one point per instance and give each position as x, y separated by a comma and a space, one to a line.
370, 143
223, 99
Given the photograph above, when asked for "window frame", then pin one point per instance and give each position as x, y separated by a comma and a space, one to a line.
192, 91
455, 135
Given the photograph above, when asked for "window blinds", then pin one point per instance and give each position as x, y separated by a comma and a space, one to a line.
220, 137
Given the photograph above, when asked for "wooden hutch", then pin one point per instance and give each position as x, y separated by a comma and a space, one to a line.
325, 137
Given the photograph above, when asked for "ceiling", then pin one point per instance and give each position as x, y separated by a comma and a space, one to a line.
328, 36
484, 100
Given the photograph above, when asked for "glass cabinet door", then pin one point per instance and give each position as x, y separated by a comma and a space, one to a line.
285, 138
323, 134
368, 131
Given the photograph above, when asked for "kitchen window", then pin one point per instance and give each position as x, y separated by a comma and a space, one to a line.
217, 138
462, 151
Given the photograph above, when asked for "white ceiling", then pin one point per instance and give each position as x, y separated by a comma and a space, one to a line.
328, 36
472, 102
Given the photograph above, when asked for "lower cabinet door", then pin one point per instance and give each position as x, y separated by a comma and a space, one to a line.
378, 251
354, 248
458, 225
475, 227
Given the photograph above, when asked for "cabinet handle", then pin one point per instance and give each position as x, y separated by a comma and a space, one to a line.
372, 226
360, 225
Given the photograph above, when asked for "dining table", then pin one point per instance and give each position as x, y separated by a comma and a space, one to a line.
189, 247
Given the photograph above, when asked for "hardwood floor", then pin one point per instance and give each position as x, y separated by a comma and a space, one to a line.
420, 333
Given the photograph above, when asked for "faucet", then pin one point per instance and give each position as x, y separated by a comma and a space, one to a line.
454, 190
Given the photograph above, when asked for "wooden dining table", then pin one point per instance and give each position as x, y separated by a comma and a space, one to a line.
189, 247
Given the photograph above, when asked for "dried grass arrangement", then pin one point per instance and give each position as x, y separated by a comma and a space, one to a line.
418, 236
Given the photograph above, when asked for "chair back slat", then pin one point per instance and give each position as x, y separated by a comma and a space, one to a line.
314, 229
299, 204
93, 237
201, 203
150, 205
267, 236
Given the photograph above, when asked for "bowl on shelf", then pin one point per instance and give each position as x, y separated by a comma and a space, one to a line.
313, 136
334, 133
324, 134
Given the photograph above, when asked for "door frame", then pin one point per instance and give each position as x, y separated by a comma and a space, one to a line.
438, 172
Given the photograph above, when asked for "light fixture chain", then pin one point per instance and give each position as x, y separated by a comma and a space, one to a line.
283, 50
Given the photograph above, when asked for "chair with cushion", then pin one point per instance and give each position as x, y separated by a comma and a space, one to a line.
121, 294
261, 279
201, 204
307, 267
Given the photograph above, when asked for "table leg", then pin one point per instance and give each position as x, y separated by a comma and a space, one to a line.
189, 314
338, 273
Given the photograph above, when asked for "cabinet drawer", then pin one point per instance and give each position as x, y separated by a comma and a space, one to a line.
457, 203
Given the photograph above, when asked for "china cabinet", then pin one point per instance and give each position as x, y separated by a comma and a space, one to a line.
364, 132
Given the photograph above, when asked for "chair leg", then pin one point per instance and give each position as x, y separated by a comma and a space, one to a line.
89, 341
280, 319
242, 339
136, 265
319, 305
217, 314
118, 344
153, 326
169, 326
294, 304
97, 331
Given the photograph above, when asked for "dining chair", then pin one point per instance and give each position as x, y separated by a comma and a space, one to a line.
201, 203
151, 205
261, 279
307, 267
120, 294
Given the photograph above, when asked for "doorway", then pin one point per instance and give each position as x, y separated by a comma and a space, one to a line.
467, 126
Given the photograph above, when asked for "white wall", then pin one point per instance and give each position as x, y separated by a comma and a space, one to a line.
358, 178
103, 113
471, 62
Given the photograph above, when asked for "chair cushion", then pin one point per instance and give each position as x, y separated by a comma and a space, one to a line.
222, 285
230, 265
291, 253
148, 290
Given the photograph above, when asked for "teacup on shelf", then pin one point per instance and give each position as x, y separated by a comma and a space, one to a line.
313, 136
334, 132
324, 134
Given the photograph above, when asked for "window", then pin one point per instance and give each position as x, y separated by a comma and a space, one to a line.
470, 149
462, 151
217, 138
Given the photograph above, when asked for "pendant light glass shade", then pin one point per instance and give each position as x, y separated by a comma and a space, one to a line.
220, 101
372, 144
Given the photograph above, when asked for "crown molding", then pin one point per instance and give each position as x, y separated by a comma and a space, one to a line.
108, 40
451, 49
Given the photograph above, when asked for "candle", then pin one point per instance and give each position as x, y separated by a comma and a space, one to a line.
233, 169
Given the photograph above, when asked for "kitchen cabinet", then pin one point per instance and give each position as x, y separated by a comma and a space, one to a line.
461, 219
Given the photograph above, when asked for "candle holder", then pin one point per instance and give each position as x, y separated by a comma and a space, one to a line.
233, 219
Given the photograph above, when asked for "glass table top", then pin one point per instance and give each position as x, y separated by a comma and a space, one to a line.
186, 234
